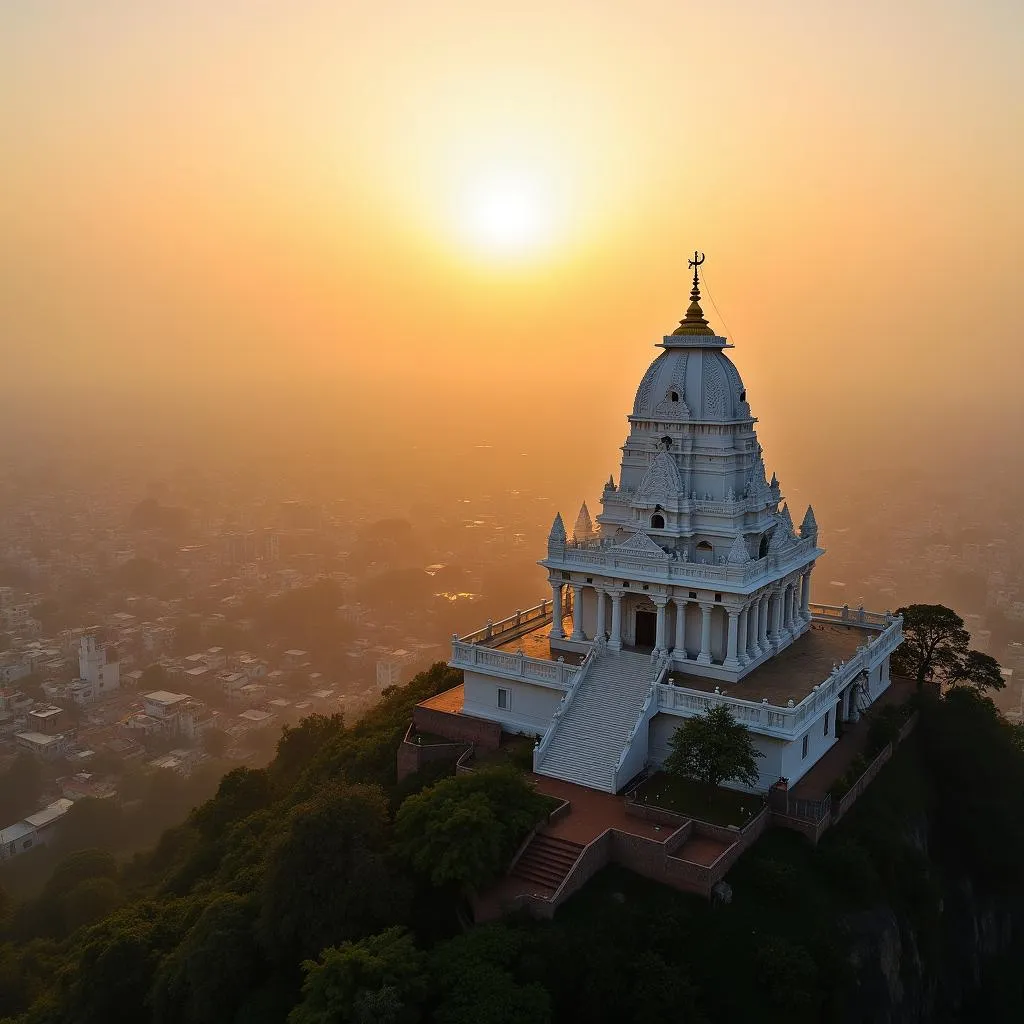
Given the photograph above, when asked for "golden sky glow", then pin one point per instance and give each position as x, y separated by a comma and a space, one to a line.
367, 196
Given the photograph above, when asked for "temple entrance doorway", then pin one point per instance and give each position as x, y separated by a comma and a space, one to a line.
646, 629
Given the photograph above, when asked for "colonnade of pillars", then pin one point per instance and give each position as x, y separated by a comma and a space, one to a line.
753, 630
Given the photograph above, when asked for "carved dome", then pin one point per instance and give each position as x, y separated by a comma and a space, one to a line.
692, 383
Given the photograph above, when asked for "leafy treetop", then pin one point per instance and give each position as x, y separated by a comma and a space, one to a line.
936, 648
714, 748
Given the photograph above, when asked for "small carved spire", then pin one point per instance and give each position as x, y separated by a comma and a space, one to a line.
694, 321
786, 519
738, 553
557, 534
809, 526
584, 528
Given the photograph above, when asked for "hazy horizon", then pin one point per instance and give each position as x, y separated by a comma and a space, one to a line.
260, 220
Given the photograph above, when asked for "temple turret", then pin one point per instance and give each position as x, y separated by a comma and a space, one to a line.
584, 528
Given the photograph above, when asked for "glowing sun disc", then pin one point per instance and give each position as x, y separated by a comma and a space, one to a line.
507, 216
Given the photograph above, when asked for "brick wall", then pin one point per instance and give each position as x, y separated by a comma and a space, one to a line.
413, 756
458, 728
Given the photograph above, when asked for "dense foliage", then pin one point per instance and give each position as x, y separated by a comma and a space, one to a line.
936, 648
713, 748
317, 890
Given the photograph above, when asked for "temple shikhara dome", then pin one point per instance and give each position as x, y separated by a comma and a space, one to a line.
690, 588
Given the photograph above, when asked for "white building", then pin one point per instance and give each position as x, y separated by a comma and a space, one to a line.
102, 676
35, 830
694, 591
171, 714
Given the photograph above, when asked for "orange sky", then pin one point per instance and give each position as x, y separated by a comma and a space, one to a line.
274, 194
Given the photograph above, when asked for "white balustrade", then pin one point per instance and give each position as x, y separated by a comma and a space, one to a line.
513, 665
523, 621
787, 722
602, 555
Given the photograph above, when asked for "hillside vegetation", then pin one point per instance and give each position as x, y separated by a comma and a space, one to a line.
317, 891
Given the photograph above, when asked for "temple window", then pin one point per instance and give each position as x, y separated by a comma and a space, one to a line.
657, 522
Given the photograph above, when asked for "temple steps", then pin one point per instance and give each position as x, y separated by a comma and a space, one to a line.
589, 737
547, 860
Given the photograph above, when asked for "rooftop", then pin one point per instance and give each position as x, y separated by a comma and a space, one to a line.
38, 739
536, 644
792, 674
165, 697
789, 675
253, 715
14, 832
449, 701
45, 712
50, 814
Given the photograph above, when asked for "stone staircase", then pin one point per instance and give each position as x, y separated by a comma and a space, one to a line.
547, 861
590, 735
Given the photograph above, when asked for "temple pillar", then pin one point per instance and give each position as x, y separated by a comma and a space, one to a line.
762, 623
660, 643
615, 643
557, 633
753, 647
577, 613
732, 648
680, 650
742, 637
600, 632
704, 658
805, 596
775, 615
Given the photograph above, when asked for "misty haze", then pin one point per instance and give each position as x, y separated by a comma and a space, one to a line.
511, 515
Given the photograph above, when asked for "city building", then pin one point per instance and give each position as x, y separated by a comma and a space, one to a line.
45, 746
36, 830
171, 714
692, 590
101, 675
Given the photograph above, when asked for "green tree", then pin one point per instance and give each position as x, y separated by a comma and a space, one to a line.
327, 878
241, 792
92, 824
90, 901
713, 748
935, 642
379, 979
475, 973
300, 743
980, 670
210, 973
464, 829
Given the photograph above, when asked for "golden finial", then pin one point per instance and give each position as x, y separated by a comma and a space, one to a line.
694, 322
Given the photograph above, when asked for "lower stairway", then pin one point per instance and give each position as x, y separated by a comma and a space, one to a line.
547, 861
590, 735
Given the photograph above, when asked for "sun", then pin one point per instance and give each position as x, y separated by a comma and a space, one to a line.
507, 215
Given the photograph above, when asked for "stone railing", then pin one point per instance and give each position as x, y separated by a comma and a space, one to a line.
578, 676
508, 628
612, 560
786, 722
513, 665
696, 506
846, 615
